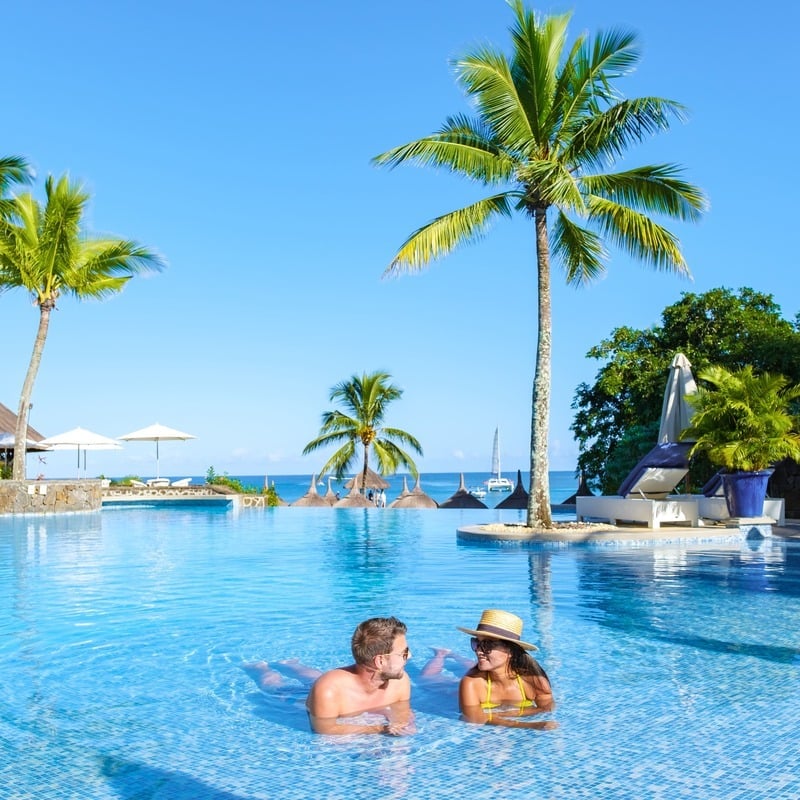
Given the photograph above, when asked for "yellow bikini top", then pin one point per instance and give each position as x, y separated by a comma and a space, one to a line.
488, 704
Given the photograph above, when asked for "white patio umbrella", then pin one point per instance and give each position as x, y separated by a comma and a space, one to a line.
157, 433
81, 440
676, 413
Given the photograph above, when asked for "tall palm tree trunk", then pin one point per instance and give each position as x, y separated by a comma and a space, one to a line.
364, 470
539, 513
21, 432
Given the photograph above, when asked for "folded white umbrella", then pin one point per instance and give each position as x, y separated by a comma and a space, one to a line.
157, 433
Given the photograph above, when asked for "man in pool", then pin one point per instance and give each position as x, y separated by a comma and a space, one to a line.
376, 685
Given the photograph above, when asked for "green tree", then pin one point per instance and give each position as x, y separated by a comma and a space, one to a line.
365, 400
549, 120
44, 250
617, 417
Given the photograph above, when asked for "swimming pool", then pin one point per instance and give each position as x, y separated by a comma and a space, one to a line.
676, 669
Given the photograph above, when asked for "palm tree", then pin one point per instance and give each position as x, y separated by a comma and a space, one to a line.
43, 250
365, 400
548, 121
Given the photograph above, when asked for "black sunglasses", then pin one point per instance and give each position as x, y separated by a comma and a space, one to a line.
486, 645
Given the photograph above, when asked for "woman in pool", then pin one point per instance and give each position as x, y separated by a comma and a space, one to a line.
506, 684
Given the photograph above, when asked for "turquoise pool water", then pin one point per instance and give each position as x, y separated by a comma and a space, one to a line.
676, 669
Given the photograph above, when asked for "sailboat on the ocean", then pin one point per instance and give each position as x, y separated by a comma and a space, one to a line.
497, 483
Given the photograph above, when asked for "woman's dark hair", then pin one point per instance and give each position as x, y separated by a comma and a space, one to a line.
522, 663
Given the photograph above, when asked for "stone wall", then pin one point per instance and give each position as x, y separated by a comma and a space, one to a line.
49, 497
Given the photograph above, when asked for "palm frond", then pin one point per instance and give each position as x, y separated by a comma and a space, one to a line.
638, 235
340, 462
445, 233
654, 188
538, 46
462, 145
550, 183
14, 169
485, 76
402, 436
580, 251
605, 136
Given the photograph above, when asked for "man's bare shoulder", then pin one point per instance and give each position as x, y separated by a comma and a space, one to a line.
330, 684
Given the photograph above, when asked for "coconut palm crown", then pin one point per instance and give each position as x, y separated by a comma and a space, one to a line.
44, 250
548, 123
365, 400
744, 421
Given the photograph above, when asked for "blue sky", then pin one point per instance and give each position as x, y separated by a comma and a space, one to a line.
236, 140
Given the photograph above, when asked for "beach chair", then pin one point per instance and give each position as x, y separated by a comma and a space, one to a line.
645, 496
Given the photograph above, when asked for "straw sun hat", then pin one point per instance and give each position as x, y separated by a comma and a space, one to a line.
496, 624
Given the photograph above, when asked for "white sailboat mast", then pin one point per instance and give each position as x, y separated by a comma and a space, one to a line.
496, 453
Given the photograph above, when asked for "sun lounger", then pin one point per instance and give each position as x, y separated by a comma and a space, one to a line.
158, 482
645, 495
181, 482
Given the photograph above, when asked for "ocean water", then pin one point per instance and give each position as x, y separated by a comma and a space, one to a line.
124, 637
438, 485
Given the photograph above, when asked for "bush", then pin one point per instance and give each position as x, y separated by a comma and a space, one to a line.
231, 483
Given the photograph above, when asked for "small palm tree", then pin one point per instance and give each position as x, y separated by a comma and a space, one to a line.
549, 123
744, 421
365, 400
44, 251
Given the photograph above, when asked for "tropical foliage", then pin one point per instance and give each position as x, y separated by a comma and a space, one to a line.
617, 417
549, 122
743, 420
44, 250
365, 400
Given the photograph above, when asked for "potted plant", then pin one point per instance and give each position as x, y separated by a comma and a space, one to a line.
745, 423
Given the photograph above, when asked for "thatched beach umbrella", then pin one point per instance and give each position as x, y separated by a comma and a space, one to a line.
518, 498
311, 499
354, 500
374, 481
583, 491
330, 496
462, 498
416, 498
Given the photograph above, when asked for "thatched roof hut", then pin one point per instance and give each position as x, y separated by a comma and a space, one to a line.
518, 498
311, 499
462, 498
374, 481
416, 498
8, 424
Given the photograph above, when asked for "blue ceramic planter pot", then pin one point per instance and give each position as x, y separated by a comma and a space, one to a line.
745, 492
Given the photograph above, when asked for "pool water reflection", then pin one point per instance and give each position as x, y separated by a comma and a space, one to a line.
124, 634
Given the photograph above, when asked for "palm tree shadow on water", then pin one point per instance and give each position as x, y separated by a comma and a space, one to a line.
131, 779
